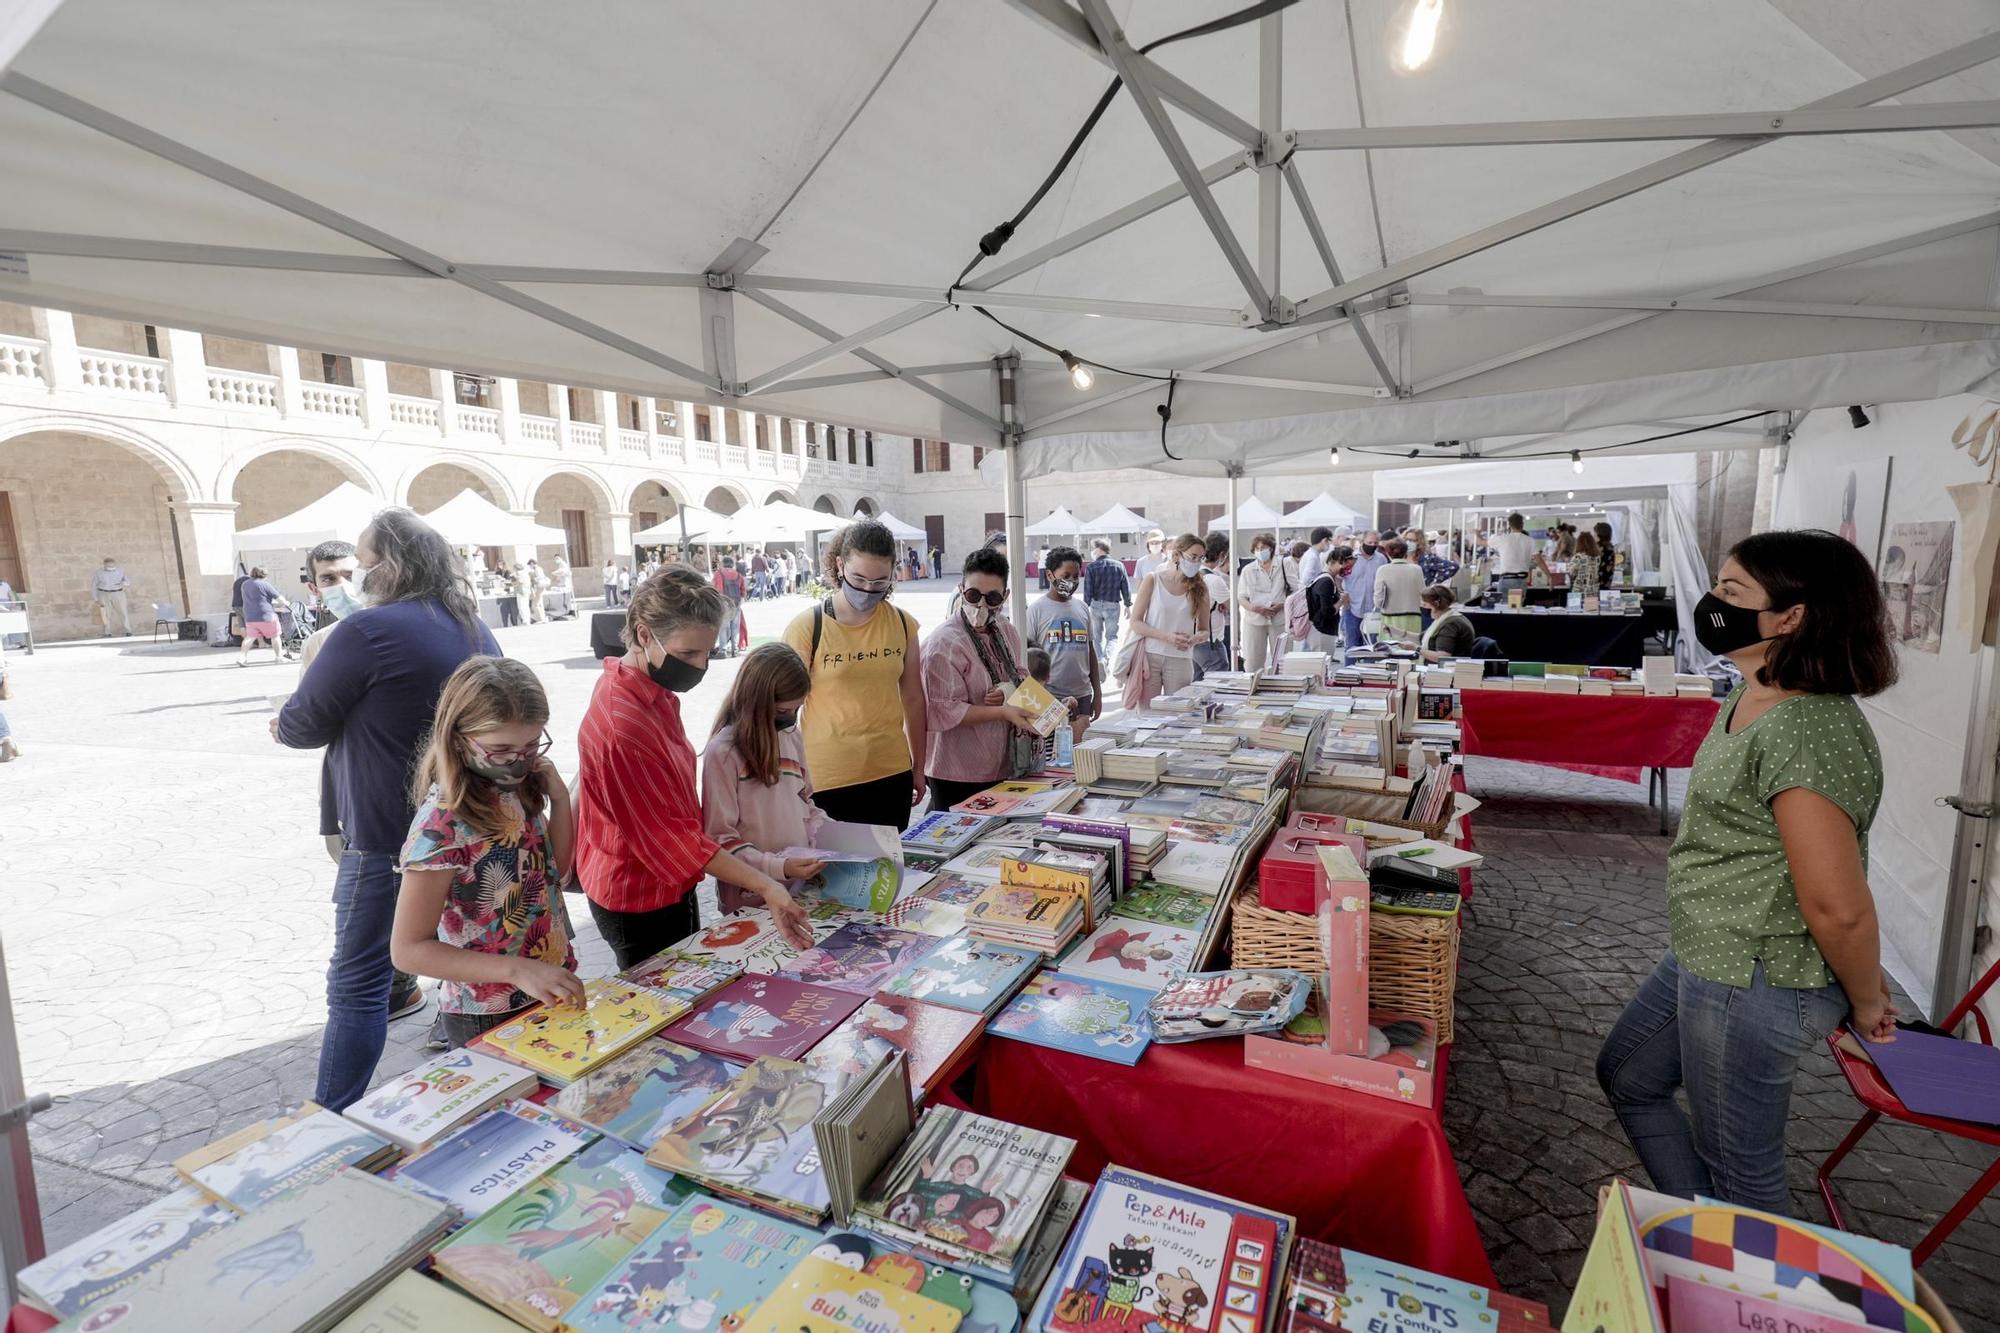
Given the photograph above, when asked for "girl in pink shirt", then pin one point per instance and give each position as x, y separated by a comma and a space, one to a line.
756, 796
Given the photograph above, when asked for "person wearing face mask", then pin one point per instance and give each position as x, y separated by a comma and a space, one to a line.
1314, 559
756, 793
1359, 584
1326, 598
1169, 615
370, 697
1772, 932
970, 667
1156, 545
479, 906
1059, 622
864, 729
1264, 585
641, 849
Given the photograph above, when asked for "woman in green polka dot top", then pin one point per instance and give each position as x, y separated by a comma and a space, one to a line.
1772, 928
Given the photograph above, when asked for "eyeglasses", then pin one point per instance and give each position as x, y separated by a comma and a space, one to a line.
990, 598
508, 754
870, 585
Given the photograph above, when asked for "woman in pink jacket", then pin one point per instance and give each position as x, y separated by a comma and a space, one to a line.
756, 796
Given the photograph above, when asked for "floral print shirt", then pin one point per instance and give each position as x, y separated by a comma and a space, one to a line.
500, 899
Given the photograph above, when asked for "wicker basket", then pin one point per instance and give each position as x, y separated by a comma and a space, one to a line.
1378, 807
1412, 960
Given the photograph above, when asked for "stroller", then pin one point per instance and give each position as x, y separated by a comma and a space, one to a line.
299, 623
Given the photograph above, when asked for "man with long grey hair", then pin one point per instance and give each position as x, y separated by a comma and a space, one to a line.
370, 698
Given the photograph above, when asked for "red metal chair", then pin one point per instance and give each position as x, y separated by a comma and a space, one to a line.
1873, 1092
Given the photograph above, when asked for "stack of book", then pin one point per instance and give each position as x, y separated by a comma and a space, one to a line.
109, 1260
1042, 913
1088, 759
1234, 682
1431, 796
943, 834
1136, 763
1305, 664
1328, 1288
560, 1042
1288, 682
1196, 770
260, 1162
1022, 798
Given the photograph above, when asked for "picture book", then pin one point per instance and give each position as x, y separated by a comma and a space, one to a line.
940, 918
687, 975
438, 1096
1151, 1251
757, 1016
820, 1296
966, 1188
706, 1267
1055, 868
255, 1165
1223, 1004
967, 973
944, 831
479, 1164
1045, 710
1137, 953
754, 1139
562, 1041
1022, 798
535, 1254
985, 1306
1165, 904
1692, 1304
112, 1258
414, 1303
867, 883
863, 1128
646, 1091
1200, 867
983, 859
932, 1037
859, 957
1613, 1290
749, 939
1083, 1015
302, 1261
1330, 1290
1014, 906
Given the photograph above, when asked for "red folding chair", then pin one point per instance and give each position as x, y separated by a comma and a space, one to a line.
1868, 1086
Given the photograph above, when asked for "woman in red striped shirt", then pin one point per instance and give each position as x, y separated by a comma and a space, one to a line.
640, 848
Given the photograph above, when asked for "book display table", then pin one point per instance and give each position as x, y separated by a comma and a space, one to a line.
1582, 637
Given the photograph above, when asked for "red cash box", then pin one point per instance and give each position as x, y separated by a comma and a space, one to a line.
1285, 874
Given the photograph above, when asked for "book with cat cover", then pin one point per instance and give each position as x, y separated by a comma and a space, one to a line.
932, 1037
1136, 953
438, 1096
535, 1254
967, 973
1148, 1251
859, 957
754, 1140
258, 1163
967, 1189
707, 1267
820, 1296
1165, 904
757, 1016
562, 1041
414, 1303
750, 939
688, 976
478, 1165
1083, 1015
114, 1257
646, 1091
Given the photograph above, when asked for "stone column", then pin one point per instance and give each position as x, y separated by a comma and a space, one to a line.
291, 384
621, 536
649, 415
373, 379
559, 405
508, 391
607, 418
213, 533
187, 366
444, 388
57, 328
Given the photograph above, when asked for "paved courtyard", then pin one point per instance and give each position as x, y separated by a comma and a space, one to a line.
170, 920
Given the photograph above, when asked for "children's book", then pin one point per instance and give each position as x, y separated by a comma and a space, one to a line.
984, 859
931, 1037
646, 1091
754, 1140
866, 883
708, 1266
1046, 711
1329, 1290
562, 1041
255, 1165
757, 1016
112, 1258
967, 1189
532, 1257
859, 957
1166, 905
414, 1303
820, 1296
688, 976
944, 832
1148, 1251
938, 908
749, 939
966, 973
438, 1096
1225, 1004
1137, 953
480, 1164
1022, 798
1083, 1015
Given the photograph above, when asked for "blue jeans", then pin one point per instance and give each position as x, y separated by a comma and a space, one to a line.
1104, 630
1735, 1051
357, 980
1350, 628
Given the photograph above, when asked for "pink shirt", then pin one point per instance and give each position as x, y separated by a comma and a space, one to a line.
955, 679
750, 820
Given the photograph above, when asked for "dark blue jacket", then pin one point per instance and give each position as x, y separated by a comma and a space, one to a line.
369, 697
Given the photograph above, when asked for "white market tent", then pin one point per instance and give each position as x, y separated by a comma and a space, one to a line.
779, 521
1060, 523
900, 530
1323, 511
470, 519
1117, 519
339, 515
698, 522
1252, 513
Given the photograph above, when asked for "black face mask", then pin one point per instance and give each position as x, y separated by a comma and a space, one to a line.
1369, 547
1724, 629
676, 675
785, 721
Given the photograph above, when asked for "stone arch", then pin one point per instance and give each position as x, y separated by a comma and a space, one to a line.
169, 464
653, 502
726, 499
661, 487
781, 497
580, 504
478, 474
351, 466
281, 481
867, 507
828, 504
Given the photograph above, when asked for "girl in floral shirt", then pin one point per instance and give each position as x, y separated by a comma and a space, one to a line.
491, 841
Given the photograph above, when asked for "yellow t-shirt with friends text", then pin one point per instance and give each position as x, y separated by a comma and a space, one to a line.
853, 720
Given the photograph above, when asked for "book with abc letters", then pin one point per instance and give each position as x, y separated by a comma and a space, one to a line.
821, 1296
438, 1096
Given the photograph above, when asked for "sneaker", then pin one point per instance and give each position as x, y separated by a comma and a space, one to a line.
407, 1003
436, 1039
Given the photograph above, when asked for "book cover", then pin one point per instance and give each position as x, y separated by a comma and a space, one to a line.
687, 975
708, 1266
866, 883
1047, 711
646, 1091
975, 1184
944, 831
982, 860
414, 1303
1082, 1015
1165, 904
1021, 797
1055, 868
931, 1036
480, 1164
285, 1156
1330, 1289
937, 917
748, 939
757, 1016
532, 1257
114, 1257
1692, 1304
1150, 1251
859, 957
1613, 1291
820, 1296
438, 1096
965, 973
1013, 907
1203, 867
1135, 953
562, 1041
754, 1139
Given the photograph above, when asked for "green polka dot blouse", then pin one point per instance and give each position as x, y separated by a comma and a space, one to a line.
1730, 896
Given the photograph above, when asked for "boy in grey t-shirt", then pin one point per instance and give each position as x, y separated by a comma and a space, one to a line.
1059, 624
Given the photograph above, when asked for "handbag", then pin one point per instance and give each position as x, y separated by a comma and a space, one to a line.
1024, 749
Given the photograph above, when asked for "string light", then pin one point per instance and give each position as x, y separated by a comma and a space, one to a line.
1079, 374
1420, 37
1576, 460
1570, 496
1335, 455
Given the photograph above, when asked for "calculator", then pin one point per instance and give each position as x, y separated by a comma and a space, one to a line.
1415, 902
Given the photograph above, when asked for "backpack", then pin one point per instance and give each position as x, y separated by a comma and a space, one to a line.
1298, 616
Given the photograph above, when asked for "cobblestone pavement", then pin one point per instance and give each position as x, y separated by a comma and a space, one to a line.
1568, 916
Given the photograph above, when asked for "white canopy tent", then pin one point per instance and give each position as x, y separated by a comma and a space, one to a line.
470, 519
779, 521
1323, 511
1060, 523
339, 515
1115, 520
901, 531
691, 521
1252, 513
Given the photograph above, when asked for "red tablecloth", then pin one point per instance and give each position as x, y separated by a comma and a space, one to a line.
1355, 1170
1614, 735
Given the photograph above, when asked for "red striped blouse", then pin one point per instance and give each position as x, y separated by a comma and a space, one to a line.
639, 839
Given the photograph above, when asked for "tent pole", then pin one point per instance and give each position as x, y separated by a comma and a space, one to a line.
20, 1209
1972, 804
1235, 603
1006, 371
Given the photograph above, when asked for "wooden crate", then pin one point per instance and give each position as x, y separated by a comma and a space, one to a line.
1412, 960
1380, 807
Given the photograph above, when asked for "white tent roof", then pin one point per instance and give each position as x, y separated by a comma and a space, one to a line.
1059, 523
1322, 512
700, 522
1252, 513
1118, 519
1591, 214
470, 519
339, 515
901, 531
779, 521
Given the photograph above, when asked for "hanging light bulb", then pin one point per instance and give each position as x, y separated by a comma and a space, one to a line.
1576, 460
1334, 455
1079, 373
1420, 37
1570, 496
